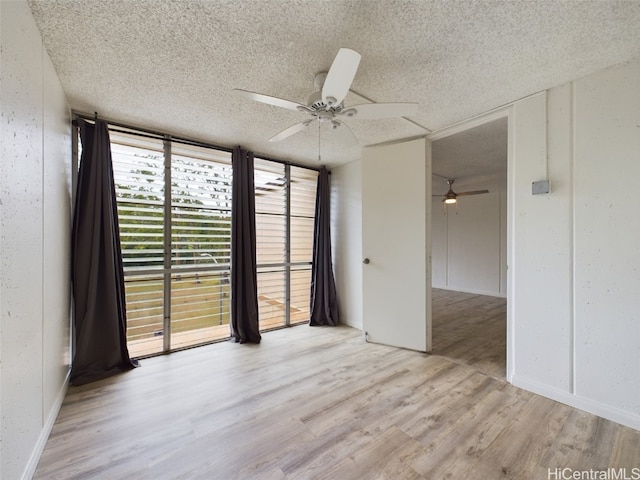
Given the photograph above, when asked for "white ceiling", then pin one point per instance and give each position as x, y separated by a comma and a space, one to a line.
172, 65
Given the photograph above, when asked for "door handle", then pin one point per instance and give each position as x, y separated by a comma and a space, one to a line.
366, 261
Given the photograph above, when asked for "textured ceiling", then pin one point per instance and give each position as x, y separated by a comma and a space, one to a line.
172, 65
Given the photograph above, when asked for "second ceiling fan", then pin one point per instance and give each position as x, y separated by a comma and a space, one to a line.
452, 197
326, 104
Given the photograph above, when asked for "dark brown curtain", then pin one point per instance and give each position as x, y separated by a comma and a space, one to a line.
324, 301
244, 284
98, 281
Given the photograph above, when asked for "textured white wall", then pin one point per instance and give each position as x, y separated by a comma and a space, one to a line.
34, 242
56, 227
469, 244
607, 233
346, 228
541, 227
575, 261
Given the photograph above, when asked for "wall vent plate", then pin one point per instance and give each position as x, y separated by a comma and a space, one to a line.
540, 187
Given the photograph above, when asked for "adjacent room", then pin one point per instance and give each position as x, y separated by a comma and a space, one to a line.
469, 246
297, 239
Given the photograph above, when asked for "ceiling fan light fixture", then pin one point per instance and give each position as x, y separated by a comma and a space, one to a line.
451, 197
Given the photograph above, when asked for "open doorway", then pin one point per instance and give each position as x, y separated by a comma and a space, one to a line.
469, 245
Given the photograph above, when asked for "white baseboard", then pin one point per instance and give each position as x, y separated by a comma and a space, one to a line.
46, 431
356, 325
602, 410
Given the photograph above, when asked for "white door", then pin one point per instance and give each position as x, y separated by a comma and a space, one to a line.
396, 196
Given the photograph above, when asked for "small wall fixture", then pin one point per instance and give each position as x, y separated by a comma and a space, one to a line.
540, 187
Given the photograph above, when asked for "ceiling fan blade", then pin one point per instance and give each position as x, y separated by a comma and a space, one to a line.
340, 76
373, 111
292, 130
474, 192
278, 102
344, 134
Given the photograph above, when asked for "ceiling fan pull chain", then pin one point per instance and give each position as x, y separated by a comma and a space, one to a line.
319, 158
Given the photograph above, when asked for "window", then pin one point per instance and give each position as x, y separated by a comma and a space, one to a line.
174, 207
200, 244
138, 170
271, 246
285, 208
303, 204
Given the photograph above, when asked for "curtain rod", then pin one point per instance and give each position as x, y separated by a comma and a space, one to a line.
148, 133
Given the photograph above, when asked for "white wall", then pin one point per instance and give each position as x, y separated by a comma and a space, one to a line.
346, 228
469, 244
607, 234
34, 242
575, 264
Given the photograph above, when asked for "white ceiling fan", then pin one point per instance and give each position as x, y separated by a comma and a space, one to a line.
326, 104
451, 197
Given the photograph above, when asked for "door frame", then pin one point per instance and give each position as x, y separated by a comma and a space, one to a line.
503, 112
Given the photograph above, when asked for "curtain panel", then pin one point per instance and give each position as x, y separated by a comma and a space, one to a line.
97, 273
324, 301
244, 285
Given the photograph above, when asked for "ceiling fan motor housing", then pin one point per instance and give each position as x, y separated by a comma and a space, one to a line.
315, 101
315, 104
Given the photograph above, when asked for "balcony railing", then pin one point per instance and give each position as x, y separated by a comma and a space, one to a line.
200, 307
200, 310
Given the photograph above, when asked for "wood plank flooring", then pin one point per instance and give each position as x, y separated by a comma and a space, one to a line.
320, 403
471, 329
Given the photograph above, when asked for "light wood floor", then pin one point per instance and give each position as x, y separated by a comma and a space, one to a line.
319, 402
471, 329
